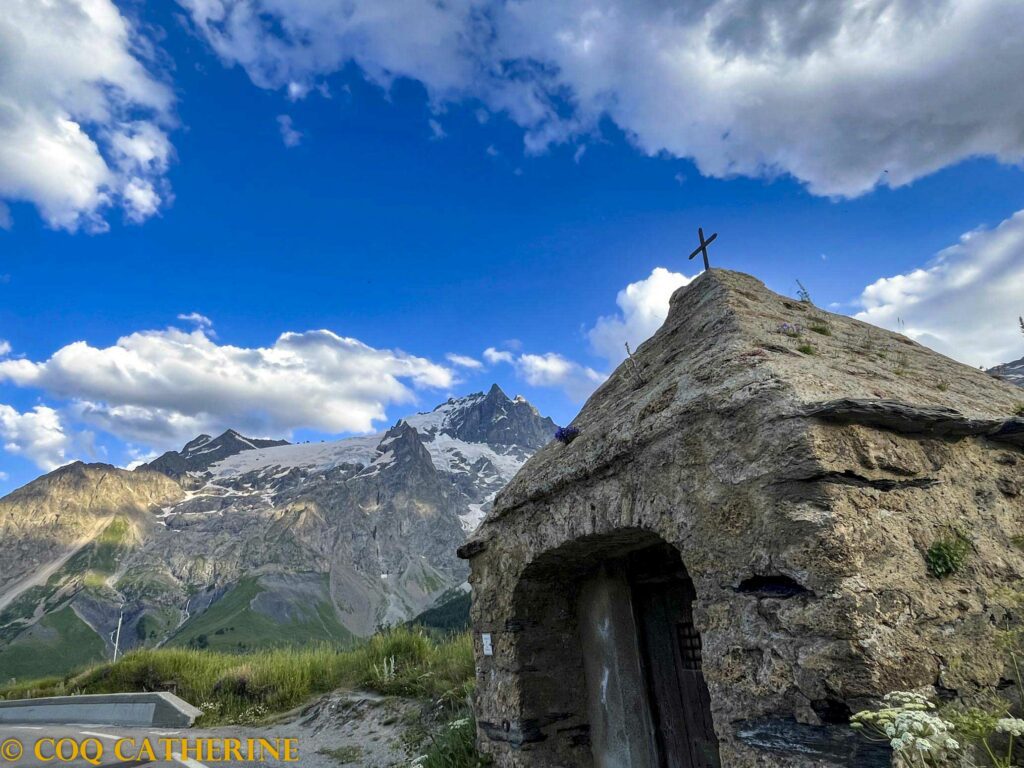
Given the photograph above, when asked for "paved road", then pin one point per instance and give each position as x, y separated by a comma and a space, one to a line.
100, 743
351, 728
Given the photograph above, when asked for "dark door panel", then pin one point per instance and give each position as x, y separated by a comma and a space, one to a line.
671, 653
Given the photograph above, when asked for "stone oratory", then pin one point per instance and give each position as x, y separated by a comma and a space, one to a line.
732, 556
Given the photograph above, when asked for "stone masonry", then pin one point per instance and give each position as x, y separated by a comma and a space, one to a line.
792, 468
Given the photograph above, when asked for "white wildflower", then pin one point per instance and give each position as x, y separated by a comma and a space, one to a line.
1011, 725
911, 728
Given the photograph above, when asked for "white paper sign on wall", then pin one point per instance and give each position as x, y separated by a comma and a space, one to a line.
488, 647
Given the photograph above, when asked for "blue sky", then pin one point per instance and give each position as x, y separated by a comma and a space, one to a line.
426, 212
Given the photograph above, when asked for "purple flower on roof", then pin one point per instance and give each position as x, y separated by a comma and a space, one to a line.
566, 435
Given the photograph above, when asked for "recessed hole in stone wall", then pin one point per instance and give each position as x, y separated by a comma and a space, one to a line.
772, 586
832, 711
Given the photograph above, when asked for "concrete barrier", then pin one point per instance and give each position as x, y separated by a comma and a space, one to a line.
162, 709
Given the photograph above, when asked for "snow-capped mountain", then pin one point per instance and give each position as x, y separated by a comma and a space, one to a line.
1011, 372
478, 442
239, 542
205, 450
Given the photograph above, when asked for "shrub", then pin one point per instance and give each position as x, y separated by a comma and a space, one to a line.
821, 327
947, 555
807, 348
1019, 410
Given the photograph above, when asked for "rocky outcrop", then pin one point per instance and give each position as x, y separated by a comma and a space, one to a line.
799, 465
917, 420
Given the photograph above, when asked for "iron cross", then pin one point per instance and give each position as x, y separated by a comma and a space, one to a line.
702, 249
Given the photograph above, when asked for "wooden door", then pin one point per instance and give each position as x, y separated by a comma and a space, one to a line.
671, 654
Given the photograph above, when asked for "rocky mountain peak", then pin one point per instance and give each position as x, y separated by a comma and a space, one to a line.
194, 445
402, 446
490, 418
200, 453
1011, 372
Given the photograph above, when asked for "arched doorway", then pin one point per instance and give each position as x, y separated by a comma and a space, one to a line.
611, 659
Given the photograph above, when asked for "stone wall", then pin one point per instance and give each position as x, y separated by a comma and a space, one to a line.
803, 525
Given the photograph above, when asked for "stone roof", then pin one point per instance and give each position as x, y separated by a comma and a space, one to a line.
729, 343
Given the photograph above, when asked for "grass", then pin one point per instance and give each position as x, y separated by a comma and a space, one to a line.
807, 348
232, 617
821, 327
233, 688
344, 755
14, 616
1019, 410
454, 747
901, 363
154, 624
59, 643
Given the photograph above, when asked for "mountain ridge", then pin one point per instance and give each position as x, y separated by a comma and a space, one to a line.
239, 543
1012, 372
203, 450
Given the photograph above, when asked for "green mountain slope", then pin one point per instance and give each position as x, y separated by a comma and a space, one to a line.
266, 612
59, 643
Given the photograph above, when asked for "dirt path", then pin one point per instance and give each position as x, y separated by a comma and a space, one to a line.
358, 729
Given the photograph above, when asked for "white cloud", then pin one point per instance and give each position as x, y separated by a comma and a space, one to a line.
965, 302
5, 348
550, 370
464, 361
844, 96
198, 319
553, 370
155, 388
290, 136
82, 120
37, 435
436, 130
495, 356
643, 307
3, 477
